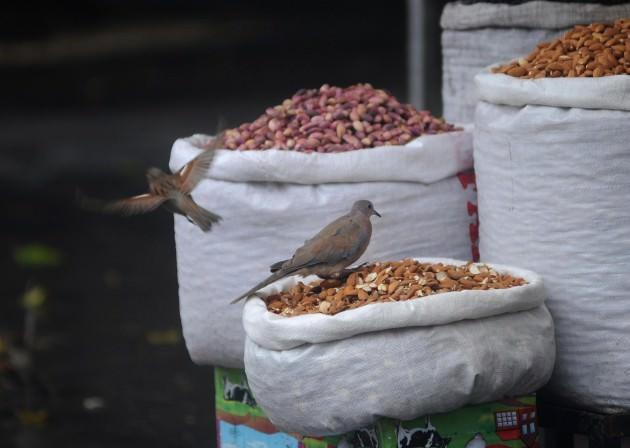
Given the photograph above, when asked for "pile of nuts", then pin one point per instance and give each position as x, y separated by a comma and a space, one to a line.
585, 51
335, 119
386, 282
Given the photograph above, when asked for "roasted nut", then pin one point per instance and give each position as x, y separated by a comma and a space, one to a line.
392, 281
595, 50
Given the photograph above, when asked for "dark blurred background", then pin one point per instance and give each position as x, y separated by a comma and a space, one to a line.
91, 352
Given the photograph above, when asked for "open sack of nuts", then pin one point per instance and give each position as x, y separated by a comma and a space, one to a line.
478, 34
271, 200
552, 158
446, 334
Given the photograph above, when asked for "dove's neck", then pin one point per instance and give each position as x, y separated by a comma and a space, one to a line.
364, 222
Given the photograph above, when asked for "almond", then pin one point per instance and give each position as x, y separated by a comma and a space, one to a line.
399, 271
352, 279
448, 283
392, 286
455, 274
441, 276
598, 46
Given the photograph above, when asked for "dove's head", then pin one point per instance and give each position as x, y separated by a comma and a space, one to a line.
365, 207
154, 174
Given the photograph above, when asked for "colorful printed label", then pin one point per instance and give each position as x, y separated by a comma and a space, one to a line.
510, 423
469, 184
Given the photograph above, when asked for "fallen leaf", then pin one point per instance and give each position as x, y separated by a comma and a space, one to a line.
164, 337
37, 256
34, 297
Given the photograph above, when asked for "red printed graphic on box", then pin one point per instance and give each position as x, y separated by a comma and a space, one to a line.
517, 423
467, 180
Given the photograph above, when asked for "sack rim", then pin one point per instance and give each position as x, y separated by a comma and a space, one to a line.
272, 331
606, 92
427, 159
534, 14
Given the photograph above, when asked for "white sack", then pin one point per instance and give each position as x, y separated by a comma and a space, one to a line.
320, 375
533, 14
423, 203
466, 52
478, 35
425, 160
554, 183
607, 92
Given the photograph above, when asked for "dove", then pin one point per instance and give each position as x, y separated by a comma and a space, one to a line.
327, 254
170, 191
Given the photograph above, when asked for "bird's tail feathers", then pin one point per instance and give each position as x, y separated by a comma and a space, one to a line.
277, 266
199, 215
268, 281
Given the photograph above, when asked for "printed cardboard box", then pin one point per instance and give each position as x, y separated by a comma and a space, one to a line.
508, 423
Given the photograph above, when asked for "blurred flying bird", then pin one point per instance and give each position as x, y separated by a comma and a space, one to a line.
327, 254
170, 191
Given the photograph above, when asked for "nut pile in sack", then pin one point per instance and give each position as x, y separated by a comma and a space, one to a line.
272, 197
387, 282
335, 119
593, 50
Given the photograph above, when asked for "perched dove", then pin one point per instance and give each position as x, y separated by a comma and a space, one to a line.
171, 191
327, 254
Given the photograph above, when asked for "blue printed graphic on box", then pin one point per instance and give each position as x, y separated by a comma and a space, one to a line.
240, 436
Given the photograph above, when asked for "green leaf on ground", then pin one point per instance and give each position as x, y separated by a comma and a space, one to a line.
34, 297
37, 256
171, 336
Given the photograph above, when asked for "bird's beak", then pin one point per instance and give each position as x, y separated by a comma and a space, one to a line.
376, 213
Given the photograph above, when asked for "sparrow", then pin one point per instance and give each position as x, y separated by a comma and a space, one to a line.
327, 254
169, 191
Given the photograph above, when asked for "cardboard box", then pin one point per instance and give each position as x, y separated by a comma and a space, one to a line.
507, 423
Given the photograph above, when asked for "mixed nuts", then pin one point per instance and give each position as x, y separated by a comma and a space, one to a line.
598, 49
386, 282
335, 119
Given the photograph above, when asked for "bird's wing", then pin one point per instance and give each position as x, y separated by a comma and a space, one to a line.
192, 173
339, 240
135, 205
276, 266
217, 142
330, 246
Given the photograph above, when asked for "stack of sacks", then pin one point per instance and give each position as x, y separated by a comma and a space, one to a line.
480, 34
552, 160
404, 356
273, 199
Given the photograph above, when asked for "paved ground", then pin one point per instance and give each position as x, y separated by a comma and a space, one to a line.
110, 333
